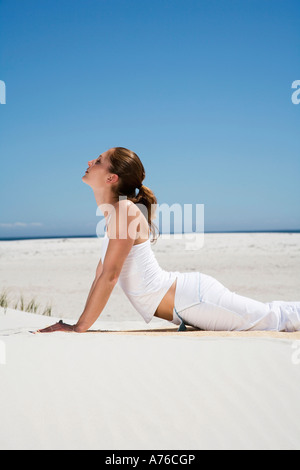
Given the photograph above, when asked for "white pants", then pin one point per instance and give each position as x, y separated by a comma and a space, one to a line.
203, 302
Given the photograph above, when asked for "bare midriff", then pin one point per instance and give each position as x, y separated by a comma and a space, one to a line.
166, 306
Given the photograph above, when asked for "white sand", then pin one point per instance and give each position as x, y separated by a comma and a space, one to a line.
263, 266
151, 390
125, 391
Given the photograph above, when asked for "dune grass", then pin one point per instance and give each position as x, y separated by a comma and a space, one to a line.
30, 306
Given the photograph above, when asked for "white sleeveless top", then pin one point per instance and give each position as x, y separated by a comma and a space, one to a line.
143, 281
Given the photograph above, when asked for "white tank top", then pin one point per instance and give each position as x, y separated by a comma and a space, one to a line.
143, 281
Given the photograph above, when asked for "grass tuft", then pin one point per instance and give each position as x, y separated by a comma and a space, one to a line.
31, 307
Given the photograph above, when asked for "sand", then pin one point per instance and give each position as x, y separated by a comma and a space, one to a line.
145, 391
264, 266
129, 385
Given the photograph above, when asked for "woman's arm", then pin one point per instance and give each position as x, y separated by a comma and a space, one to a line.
91, 290
98, 274
99, 294
61, 326
98, 298
107, 275
116, 254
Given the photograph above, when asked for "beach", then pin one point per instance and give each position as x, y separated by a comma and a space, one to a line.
131, 385
263, 266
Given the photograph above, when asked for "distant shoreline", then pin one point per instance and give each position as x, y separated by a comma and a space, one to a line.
55, 237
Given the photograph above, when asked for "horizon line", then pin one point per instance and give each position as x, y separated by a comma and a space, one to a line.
168, 233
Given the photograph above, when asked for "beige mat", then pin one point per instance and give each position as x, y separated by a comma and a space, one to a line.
204, 334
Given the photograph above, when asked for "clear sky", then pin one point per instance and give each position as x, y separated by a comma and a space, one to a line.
199, 89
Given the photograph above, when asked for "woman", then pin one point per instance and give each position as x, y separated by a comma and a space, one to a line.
190, 298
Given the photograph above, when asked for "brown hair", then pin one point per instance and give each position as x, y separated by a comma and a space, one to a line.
128, 166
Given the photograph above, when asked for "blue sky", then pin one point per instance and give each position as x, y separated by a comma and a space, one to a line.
200, 90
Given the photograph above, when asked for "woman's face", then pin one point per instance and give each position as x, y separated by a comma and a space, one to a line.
97, 175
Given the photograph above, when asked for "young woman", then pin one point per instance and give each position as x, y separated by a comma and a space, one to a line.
189, 298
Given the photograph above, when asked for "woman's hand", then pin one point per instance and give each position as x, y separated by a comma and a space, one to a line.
60, 326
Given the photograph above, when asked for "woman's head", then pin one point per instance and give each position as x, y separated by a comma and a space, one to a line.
97, 175
121, 172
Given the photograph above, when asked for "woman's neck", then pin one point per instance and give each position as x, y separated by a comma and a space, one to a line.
105, 201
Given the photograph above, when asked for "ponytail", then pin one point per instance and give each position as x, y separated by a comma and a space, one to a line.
146, 199
128, 166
